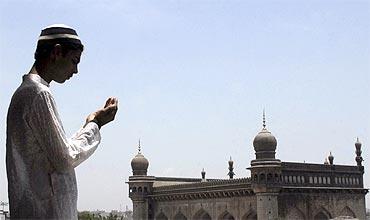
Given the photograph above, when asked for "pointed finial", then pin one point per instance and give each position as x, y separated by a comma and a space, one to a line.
358, 144
139, 146
231, 162
264, 118
358, 141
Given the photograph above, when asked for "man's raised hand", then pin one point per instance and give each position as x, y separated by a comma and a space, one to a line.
106, 114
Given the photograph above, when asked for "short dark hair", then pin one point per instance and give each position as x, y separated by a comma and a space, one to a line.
45, 47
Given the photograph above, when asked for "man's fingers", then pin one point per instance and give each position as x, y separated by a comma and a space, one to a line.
107, 102
111, 101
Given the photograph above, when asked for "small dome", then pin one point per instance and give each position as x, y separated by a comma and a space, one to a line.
139, 165
265, 145
264, 141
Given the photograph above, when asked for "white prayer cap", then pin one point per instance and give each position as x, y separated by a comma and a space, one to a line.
61, 32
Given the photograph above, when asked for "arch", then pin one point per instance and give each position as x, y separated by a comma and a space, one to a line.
202, 215
134, 189
262, 177
140, 189
294, 213
226, 216
347, 212
323, 214
269, 177
251, 215
180, 216
161, 216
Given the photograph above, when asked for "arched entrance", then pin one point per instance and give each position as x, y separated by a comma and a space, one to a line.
202, 215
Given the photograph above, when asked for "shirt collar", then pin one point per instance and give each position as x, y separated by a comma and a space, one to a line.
36, 78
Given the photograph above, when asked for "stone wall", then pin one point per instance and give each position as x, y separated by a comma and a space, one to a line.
222, 208
311, 205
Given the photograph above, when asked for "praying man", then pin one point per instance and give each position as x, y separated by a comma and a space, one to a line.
40, 159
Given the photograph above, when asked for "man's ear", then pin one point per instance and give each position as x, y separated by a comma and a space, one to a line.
56, 53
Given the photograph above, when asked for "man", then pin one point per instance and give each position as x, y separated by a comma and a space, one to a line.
40, 158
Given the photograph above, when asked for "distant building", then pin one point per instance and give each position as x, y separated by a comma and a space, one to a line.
275, 190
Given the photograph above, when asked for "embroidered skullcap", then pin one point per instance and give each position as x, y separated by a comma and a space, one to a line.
60, 32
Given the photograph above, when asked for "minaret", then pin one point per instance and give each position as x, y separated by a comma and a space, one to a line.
359, 158
266, 173
231, 169
203, 173
140, 185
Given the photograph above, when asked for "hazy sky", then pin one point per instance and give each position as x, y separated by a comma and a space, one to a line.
192, 79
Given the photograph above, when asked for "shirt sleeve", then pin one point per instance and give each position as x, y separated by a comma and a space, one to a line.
63, 153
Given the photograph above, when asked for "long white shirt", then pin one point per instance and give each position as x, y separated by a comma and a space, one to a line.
40, 159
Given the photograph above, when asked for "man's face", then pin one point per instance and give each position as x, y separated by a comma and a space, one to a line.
65, 66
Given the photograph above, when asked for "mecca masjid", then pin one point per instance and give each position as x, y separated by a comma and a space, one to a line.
275, 189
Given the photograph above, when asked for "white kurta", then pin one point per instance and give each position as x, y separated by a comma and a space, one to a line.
40, 159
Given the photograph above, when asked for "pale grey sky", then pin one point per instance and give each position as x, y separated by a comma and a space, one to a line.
192, 78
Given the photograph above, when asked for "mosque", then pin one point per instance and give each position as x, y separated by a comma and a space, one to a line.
275, 190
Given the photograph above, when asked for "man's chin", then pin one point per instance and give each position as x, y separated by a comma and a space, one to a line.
61, 81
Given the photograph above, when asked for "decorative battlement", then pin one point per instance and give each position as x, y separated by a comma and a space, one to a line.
320, 175
204, 190
311, 167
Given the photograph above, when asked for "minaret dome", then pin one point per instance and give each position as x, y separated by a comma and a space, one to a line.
265, 143
139, 163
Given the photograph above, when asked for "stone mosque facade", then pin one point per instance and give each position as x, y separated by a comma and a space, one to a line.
275, 190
